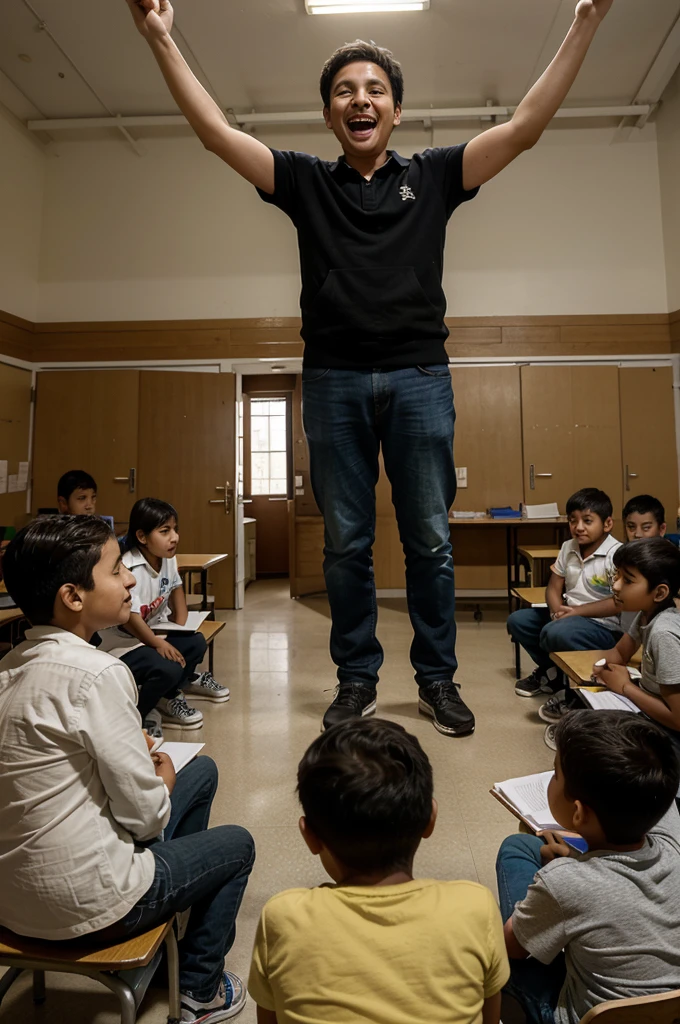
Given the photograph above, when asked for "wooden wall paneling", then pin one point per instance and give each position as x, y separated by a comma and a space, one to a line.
16, 337
648, 435
674, 319
306, 542
597, 430
547, 429
186, 453
15, 420
87, 419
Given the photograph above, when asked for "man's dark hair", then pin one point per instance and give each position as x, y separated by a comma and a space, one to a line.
46, 554
366, 792
590, 499
622, 766
148, 514
643, 504
74, 479
656, 559
361, 50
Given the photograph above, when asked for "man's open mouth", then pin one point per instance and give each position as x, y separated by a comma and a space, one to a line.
362, 126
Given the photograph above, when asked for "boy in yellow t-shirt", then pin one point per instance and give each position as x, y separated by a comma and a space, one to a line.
377, 946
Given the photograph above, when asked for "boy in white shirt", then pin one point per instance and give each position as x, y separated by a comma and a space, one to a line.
581, 614
79, 792
162, 667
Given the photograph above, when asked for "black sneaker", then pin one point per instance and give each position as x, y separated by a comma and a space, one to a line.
559, 705
352, 700
540, 681
447, 709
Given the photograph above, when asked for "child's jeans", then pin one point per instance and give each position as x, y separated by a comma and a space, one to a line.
539, 635
205, 869
156, 676
534, 985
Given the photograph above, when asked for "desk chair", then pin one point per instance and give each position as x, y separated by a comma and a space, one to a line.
126, 968
525, 597
663, 1009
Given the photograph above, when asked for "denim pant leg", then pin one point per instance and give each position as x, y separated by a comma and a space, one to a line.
534, 985
525, 627
339, 419
205, 870
577, 633
416, 425
156, 676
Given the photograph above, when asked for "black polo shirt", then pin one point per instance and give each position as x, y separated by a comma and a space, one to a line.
371, 254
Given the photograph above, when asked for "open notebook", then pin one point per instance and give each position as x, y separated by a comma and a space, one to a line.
180, 753
607, 700
527, 799
194, 620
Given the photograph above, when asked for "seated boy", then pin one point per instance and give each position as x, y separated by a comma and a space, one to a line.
615, 911
644, 517
377, 946
77, 493
581, 613
97, 838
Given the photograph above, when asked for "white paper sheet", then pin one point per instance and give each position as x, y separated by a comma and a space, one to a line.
22, 476
194, 620
529, 795
3, 476
607, 700
12, 483
181, 753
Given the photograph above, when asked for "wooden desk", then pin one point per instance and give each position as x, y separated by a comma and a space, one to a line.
578, 665
199, 563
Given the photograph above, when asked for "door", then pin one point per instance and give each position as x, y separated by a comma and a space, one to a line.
87, 419
268, 478
187, 456
650, 464
571, 432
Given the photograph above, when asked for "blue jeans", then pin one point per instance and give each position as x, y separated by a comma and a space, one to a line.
534, 985
349, 415
205, 869
538, 635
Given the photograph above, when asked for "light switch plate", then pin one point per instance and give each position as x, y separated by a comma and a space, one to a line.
461, 476
298, 481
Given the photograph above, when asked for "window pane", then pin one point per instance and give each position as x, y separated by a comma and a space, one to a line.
260, 466
260, 486
277, 434
277, 487
277, 463
259, 434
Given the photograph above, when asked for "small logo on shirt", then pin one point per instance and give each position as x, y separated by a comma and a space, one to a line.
406, 193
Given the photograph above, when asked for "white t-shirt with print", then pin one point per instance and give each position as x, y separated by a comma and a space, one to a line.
150, 599
587, 580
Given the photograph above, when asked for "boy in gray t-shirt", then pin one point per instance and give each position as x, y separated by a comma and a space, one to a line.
615, 910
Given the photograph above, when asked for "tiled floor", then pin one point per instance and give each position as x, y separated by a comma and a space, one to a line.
274, 657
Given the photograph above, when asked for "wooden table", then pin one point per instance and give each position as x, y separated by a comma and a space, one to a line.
512, 528
199, 563
578, 665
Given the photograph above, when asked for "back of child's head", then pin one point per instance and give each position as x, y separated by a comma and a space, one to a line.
591, 499
46, 554
620, 765
645, 504
74, 480
366, 792
656, 559
147, 515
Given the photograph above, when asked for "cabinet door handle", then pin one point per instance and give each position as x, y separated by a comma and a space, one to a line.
630, 476
544, 474
129, 480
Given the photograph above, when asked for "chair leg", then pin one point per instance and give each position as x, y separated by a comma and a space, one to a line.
8, 979
518, 666
39, 994
174, 1008
128, 1006
211, 656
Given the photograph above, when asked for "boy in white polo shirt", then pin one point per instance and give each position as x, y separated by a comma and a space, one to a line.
581, 613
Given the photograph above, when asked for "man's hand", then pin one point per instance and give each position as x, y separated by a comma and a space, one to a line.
593, 8
554, 846
166, 650
153, 18
614, 677
165, 769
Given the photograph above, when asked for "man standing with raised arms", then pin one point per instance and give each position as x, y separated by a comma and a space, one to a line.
371, 230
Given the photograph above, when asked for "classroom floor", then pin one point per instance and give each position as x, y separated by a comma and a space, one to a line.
274, 657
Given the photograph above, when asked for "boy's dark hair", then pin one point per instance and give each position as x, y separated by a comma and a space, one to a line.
147, 515
656, 559
72, 480
361, 50
366, 792
623, 767
48, 553
590, 499
643, 503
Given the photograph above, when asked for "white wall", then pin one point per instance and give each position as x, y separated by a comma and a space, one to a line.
573, 227
668, 131
22, 179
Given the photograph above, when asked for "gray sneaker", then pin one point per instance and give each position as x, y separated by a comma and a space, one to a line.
549, 737
176, 711
539, 683
202, 686
555, 708
230, 999
152, 724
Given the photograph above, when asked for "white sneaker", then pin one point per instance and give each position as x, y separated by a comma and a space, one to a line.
176, 711
229, 1001
152, 724
204, 687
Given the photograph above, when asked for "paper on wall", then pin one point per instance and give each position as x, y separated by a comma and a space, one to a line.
22, 476
13, 483
3, 476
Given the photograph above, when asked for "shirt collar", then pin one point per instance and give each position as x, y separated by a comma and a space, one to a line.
393, 158
605, 547
134, 558
62, 636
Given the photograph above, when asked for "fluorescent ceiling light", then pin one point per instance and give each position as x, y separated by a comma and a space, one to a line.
364, 6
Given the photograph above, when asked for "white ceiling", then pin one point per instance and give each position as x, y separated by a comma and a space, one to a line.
265, 55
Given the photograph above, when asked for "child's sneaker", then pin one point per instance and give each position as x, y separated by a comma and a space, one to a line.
176, 711
556, 707
152, 724
539, 682
204, 687
230, 1000
549, 737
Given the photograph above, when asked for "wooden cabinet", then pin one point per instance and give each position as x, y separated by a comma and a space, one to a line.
650, 464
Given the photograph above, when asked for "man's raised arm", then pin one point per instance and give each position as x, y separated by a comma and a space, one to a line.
248, 157
487, 154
